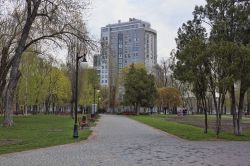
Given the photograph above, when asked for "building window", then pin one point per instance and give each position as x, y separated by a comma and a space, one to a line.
135, 48
136, 54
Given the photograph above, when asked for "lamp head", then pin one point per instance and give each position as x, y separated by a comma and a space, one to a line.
84, 58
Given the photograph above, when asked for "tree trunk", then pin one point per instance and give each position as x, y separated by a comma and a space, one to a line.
17, 108
15, 73
136, 109
248, 101
53, 108
220, 111
218, 122
218, 116
248, 107
240, 110
25, 110
204, 105
233, 107
206, 125
197, 105
219, 125
4, 68
1, 106
9, 100
47, 106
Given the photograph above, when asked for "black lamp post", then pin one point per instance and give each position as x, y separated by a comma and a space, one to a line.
83, 57
94, 103
98, 91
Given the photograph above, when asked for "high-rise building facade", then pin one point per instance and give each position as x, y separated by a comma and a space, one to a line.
125, 43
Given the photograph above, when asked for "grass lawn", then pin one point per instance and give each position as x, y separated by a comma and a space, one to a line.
38, 131
186, 131
198, 121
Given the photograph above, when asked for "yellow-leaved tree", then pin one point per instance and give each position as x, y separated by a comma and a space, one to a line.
168, 98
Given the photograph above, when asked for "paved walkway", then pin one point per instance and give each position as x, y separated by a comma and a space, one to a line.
119, 141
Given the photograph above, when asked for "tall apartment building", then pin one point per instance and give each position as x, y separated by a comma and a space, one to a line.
125, 43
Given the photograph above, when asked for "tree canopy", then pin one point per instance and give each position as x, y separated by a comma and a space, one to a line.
168, 97
218, 62
140, 89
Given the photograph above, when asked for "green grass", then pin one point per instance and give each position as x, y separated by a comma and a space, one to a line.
186, 131
38, 131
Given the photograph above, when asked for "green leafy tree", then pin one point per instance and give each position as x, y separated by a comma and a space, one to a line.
31, 88
219, 62
89, 84
140, 88
219, 74
41, 83
229, 21
191, 60
103, 97
58, 89
29, 23
248, 101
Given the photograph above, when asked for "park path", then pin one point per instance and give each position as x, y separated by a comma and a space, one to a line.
120, 141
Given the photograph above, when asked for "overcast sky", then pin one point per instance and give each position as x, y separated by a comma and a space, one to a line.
165, 16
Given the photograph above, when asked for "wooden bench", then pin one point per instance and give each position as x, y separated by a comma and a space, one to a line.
82, 123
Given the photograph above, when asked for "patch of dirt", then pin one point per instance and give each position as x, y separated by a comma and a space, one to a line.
8, 142
227, 124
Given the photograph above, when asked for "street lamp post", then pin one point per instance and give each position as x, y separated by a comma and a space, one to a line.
98, 104
75, 132
98, 91
94, 102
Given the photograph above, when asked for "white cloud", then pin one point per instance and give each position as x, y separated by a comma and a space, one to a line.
165, 16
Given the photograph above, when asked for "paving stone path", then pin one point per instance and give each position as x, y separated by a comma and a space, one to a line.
119, 141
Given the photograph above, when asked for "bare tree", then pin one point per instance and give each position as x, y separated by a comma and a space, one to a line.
109, 56
75, 46
34, 21
113, 80
165, 65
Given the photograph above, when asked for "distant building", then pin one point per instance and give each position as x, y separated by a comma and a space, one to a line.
125, 43
97, 63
